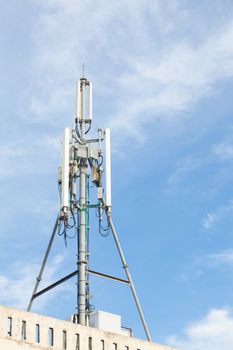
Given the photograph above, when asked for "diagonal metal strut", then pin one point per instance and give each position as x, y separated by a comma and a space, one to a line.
38, 279
125, 266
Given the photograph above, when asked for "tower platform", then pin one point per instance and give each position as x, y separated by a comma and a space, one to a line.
21, 330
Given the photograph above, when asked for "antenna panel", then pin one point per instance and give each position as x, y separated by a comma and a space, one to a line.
65, 171
90, 101
108, 198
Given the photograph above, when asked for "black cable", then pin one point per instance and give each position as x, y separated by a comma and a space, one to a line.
104, 231
100, 156
88, 129
66, 222
77, 131
59, 230
66, 226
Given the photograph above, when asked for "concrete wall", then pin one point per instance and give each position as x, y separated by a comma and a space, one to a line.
26, 330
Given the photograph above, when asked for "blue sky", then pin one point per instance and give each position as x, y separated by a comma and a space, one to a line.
162, 74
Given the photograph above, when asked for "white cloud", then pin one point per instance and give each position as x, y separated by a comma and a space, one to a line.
223, 150
219, 259
211, 219
10, 151
188, 166
213, 332
157, 68
10, 156
16, 287
208, 221
183, 75
43, 205
18, 156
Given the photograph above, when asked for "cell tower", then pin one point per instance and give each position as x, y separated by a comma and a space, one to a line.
82, 159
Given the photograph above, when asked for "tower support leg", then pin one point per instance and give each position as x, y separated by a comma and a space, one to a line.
38, 279
125, 266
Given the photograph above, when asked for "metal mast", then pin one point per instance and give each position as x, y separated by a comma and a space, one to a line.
82, 244
83, 159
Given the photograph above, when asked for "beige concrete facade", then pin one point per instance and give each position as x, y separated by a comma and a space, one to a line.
26, 330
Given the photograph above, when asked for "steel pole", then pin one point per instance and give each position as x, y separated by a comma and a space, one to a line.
82, 258
125, 266
39, 278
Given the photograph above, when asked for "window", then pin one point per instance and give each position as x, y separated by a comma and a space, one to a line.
77, 347
114, 346
9, 326
64, 340
126, 347
102, 344
37, 333
89, 343
50, 337
23, 330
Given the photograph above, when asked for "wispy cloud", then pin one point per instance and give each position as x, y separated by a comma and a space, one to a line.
16, 287
11, 156
183, 75
224, 150
10, 151
209, 221
161, 73
203, 264
17, 157
188, 166
219, 259
43, 206
213, 332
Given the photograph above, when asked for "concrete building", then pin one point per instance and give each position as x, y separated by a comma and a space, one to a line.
20, 330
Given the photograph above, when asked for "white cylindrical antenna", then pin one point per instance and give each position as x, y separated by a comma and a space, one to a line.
78, 102
108, 194
90, 101
65, 171
83, 111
